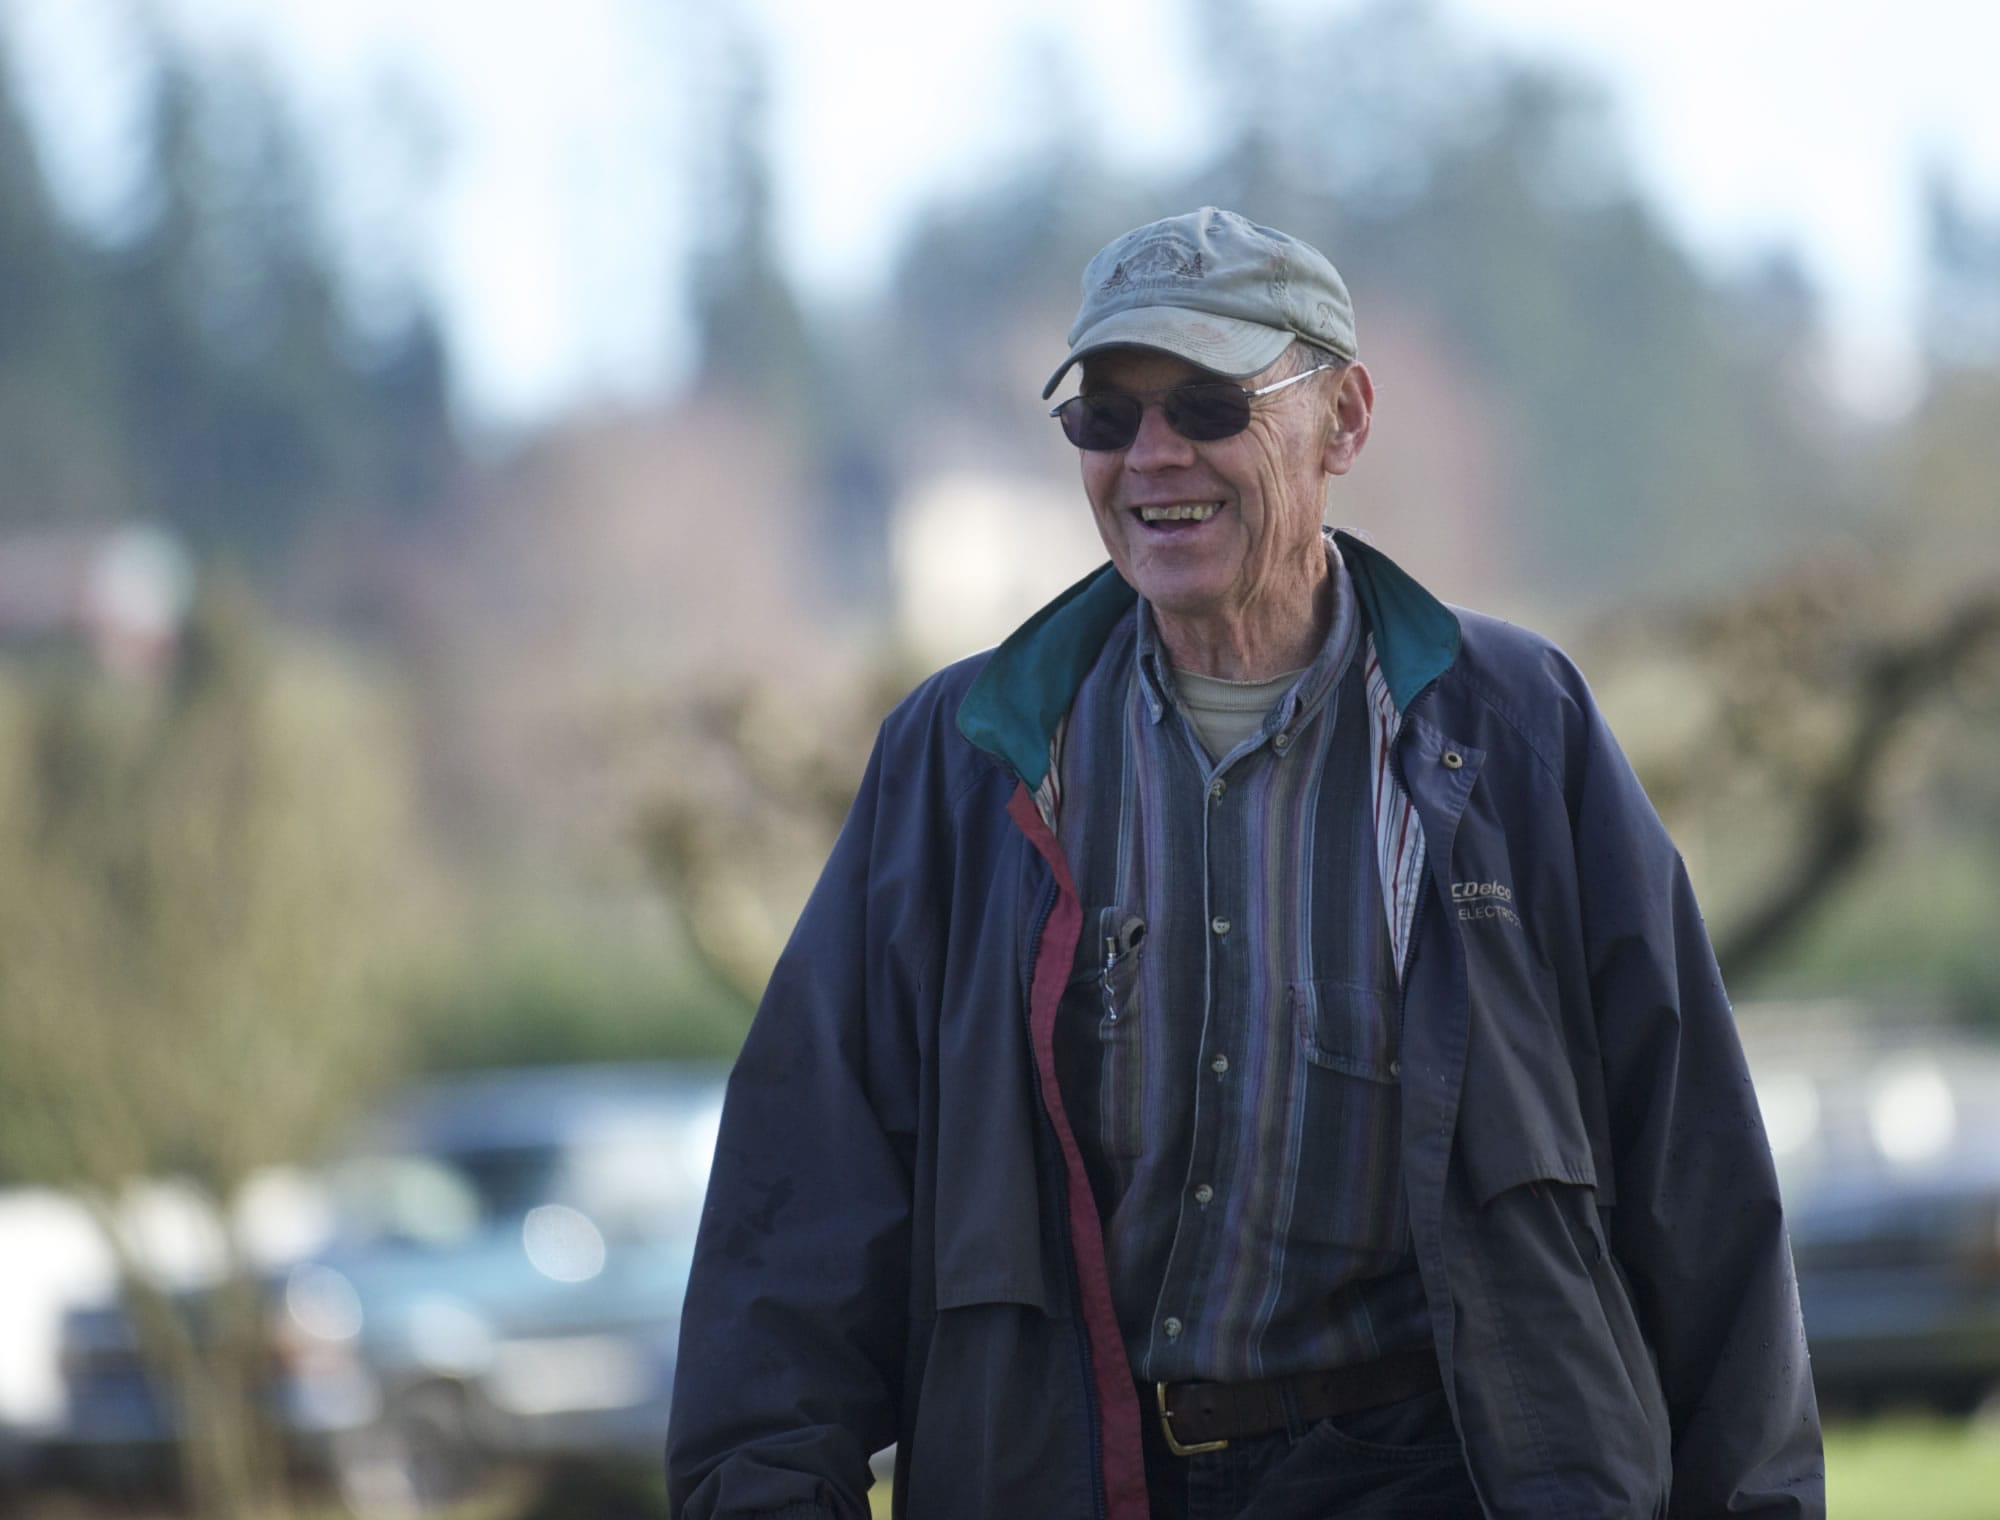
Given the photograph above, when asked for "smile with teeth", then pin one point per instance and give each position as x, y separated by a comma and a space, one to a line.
1191, 511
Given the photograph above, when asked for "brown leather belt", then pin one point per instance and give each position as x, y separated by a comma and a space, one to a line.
1198, 1417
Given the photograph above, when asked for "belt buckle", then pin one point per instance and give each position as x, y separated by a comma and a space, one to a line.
1167, 1429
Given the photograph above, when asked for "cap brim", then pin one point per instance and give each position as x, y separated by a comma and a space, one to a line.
1226, 346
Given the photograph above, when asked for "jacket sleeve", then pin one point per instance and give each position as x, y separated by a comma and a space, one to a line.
1698, 1228
792, 1333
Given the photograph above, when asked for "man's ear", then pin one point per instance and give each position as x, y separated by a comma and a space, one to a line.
1353, 411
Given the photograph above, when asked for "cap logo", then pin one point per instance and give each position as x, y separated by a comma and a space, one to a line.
1165, 260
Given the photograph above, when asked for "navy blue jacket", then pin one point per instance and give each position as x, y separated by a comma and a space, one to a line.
900, 1244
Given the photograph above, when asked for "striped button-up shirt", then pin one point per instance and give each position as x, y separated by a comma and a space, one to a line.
1228, 1044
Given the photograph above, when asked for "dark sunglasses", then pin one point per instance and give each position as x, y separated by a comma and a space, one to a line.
1201, 413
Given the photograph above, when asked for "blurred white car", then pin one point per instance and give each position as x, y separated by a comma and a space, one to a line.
501, 1282
57, 1262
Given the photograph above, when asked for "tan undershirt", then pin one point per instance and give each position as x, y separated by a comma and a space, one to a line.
1225, 713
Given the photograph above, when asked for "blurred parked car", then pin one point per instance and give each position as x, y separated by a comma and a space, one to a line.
57, 1260
54, 1259
503, 1283
1889, 1154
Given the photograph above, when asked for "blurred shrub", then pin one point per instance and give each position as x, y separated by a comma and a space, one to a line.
207, 887
546, 993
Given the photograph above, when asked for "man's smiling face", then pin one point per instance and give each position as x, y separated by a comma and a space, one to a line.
1222, 536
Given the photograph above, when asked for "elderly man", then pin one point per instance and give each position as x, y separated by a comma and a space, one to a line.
1253, 1049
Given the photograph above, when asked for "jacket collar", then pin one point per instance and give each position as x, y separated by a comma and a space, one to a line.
1013, 709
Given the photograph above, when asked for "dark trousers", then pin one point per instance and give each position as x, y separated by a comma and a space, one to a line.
1401, 1460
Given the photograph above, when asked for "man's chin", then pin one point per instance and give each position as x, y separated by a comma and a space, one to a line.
1187, 600
1185, 580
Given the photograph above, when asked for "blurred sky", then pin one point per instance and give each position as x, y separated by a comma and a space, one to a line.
559, 138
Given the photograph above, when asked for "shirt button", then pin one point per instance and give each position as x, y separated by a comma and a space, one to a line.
1173, 1327
1395, 1068
1282, 743
1219, 925
1453, 760
1216, 788
1219, 1065
1203, 1194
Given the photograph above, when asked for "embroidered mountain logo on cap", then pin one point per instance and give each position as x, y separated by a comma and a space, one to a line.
1168, 259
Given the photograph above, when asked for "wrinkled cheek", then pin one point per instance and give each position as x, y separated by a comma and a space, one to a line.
1111, 527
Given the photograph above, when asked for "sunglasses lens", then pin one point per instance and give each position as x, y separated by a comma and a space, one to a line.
1201, 413
1208, 411
1106, 420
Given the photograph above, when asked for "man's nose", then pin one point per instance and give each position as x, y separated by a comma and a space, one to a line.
1157, 446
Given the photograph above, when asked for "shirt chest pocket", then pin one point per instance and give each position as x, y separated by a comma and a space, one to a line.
1102, 1037
1350, 1148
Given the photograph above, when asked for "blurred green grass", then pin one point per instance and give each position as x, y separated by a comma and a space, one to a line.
1894, 1469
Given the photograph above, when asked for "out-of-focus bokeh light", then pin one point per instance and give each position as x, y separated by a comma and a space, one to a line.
563, 1243
1790, 1104
322, 1302
1912, 1114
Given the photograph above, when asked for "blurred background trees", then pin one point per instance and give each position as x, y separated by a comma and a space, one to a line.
481, 747
584, 620
195, 366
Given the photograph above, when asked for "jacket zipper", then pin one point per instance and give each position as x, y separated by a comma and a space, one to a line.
1081, 1335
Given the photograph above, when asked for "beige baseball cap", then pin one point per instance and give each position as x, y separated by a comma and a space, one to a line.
1213, 289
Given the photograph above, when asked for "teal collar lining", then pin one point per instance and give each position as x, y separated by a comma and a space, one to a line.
1013, 708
